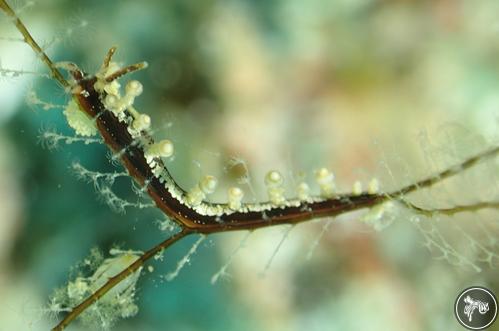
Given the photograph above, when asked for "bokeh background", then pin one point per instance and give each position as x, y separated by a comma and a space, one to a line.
390, 89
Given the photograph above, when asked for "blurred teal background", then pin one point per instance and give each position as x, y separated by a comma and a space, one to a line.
384, 88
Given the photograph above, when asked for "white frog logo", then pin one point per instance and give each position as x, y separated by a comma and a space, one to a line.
472, 304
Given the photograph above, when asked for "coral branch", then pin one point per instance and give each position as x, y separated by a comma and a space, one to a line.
451, 210
112, 282
28, 39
